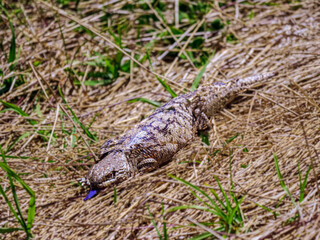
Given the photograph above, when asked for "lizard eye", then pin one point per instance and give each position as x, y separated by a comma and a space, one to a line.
111, 175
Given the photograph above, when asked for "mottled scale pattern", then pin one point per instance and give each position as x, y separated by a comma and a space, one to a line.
155, 140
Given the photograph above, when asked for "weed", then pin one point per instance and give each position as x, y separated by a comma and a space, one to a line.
76, 119
197, 80
162, 82
11, 81
145, 100
304, 183
230, 218
12, 107
283, 185
164, 229
15, 108
25, 225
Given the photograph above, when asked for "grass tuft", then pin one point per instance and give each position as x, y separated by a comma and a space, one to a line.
229, 217
165, 234
282, 183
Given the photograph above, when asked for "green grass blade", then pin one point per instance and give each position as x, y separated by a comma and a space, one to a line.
201, 236
280, 200
164, 229
264, 207
217, 198
282, 183
77, 4
16, 201
145, 100
196, 82
31, 210
205, 138
231, 179
183, 207
12, 51
300, 177
228, 205
194, 187
196, 195
167, 87
6, 168
214, 205
238, 215
232, 138
73, 137
306, 178
201, 200
32, 205
304, 184
234, 216
154, 223
235, 209
93, 119
10, 205
163, 83
275, 214
17, 157
15, 108
26, 134
9, 230
165, 233
114, 195
86, 130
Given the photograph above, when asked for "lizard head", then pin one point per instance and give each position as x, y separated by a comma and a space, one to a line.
112, 168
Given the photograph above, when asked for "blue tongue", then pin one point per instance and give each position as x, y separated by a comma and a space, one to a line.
91, 194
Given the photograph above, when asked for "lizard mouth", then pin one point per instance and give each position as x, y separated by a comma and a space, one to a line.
113, 178
106, 183
108, 179
94, 191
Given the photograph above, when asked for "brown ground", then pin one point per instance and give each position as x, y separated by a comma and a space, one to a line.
281, 117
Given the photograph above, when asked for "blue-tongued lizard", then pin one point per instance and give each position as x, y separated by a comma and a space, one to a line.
155, 140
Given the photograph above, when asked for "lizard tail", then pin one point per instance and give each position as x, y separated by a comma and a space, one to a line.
244, 83
218, 95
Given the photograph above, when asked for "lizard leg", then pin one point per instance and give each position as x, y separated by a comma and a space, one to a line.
203, 123
107, 147
147, 165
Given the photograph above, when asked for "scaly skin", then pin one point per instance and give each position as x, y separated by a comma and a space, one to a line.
155, 140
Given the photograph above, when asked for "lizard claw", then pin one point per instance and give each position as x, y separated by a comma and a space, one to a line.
83, 181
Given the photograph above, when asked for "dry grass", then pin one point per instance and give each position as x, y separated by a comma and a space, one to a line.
281, 117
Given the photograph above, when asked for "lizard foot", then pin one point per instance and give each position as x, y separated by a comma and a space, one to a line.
203, 122
83, 181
